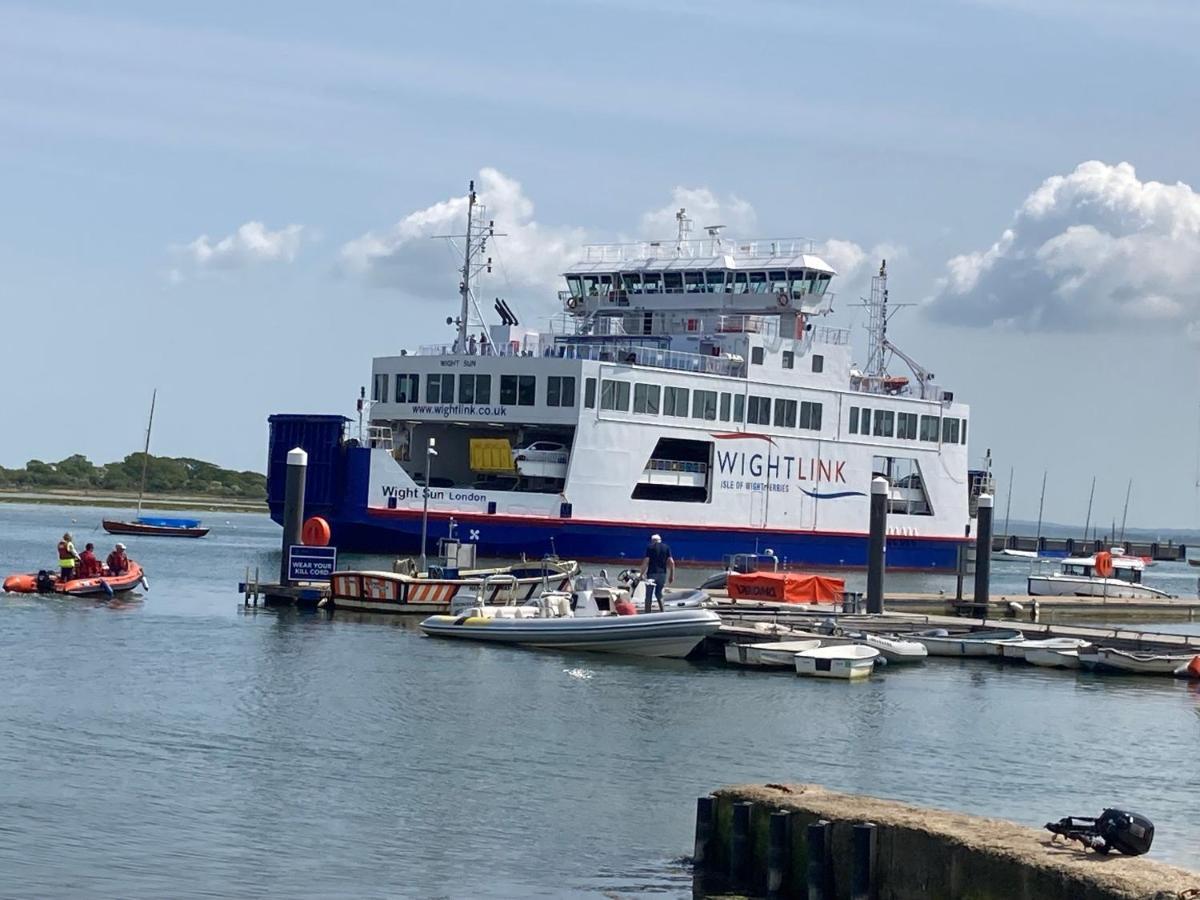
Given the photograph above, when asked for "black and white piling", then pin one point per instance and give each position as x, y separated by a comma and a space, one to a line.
293, 506
983, 554
877, 548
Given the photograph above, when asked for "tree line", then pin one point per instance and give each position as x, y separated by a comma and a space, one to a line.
164, 475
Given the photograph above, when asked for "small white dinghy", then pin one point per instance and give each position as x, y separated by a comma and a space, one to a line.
1124, 662
1052, 658
773, 653
1019, 650
850, 661
940, 642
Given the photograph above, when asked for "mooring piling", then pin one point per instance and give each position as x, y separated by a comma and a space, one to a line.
779, 851
741, 843
862, 869
877, 548
819, 873
983, 554
293, 506
706, 808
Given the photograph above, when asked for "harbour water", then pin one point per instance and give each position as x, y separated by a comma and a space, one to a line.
183, 746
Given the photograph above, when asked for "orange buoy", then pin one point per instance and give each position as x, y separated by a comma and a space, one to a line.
315, 532
1192, 669
1104, 564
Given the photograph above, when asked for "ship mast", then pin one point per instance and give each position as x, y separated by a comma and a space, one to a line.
877, 307
473, 250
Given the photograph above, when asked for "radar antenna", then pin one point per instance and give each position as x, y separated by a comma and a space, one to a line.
473, 248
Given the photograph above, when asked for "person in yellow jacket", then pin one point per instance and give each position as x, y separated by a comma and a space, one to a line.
67, 557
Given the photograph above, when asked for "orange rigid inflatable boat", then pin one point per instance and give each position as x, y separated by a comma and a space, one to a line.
44, 583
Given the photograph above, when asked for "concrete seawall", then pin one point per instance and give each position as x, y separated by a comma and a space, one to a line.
917, 853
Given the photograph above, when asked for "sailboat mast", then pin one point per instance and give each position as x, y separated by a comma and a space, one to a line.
1008, 505
1041, 506
146, 452
1088, 521
1125, 513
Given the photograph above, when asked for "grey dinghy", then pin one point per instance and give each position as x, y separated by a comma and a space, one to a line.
668, 634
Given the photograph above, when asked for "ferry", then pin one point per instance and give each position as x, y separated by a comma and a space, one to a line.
689, 387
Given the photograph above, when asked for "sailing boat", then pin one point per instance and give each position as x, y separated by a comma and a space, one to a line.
156, 526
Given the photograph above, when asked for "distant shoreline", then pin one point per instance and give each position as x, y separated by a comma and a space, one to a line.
124, 500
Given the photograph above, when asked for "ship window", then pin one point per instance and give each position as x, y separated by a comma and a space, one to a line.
439, 389
673, 282
475, 389
885, 421
756, 355
758, 282
810, 415
779, 282
633, 283
560, 390
818, 363
614, 395
950, 431
675, 401
378, 386
606, 284
964, 431
785, 413
759, 412
929, 428
797, 279
406, 388
652, 283
823, 282
789, 359
740, 283
518, 390
739, 407
590, 288
906, 426
574, 285
589, 393
724, 414
864, 422
645, 398
704, 405
716, 281
854, 420
694, 282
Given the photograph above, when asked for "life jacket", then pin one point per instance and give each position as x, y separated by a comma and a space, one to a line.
64, 553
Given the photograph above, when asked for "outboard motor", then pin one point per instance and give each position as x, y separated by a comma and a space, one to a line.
44, 583
1114, 829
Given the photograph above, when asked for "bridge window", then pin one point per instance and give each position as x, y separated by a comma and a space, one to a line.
518, 390
950, 431
759, 412
646, 398
885, 423
785, 413
614, 395
818, 363
673, 282
789, 359
739, 407
694, 282
675, 402
758, 282
589, 393
724, 413
633, 283
406, 388
854, 420
756, 355
439, 389
652, 283
964, 431
823, 282
798, 280
906, 426
741, 282
574, 285
704, 405
779, 282
475, 389
560, 390
929, 428
379, 388
810, 415
715, 281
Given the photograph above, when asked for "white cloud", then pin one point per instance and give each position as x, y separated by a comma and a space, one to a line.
252, 243
1096, 248
704, 208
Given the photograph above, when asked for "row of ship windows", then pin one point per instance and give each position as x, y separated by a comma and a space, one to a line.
710, 406
907, 426
797, 282
515, 390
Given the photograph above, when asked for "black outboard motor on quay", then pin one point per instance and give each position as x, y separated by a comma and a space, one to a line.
1114, 829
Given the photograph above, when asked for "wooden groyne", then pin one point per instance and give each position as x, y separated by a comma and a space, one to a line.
801, 840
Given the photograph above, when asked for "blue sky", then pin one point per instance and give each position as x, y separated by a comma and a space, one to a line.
140, 142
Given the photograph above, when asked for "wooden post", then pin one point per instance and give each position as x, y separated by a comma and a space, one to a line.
862, 878
741, 843
706, 810
819, 874
779, 852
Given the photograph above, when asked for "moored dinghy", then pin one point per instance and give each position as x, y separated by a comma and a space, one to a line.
1052, 658
849, 661
1111, 660
940, 642
771, 653
1020, 650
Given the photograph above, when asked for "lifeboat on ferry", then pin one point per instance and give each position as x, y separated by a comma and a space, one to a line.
106, 585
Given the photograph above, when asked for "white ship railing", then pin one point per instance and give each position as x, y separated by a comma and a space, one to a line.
654, 357
759, 248
826, 335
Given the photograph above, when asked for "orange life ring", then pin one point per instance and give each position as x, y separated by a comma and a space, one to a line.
315, 532
1104, 564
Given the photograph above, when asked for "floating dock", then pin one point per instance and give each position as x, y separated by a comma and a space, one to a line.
1161, 551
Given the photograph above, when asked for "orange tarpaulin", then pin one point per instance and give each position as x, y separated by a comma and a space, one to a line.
786, 587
